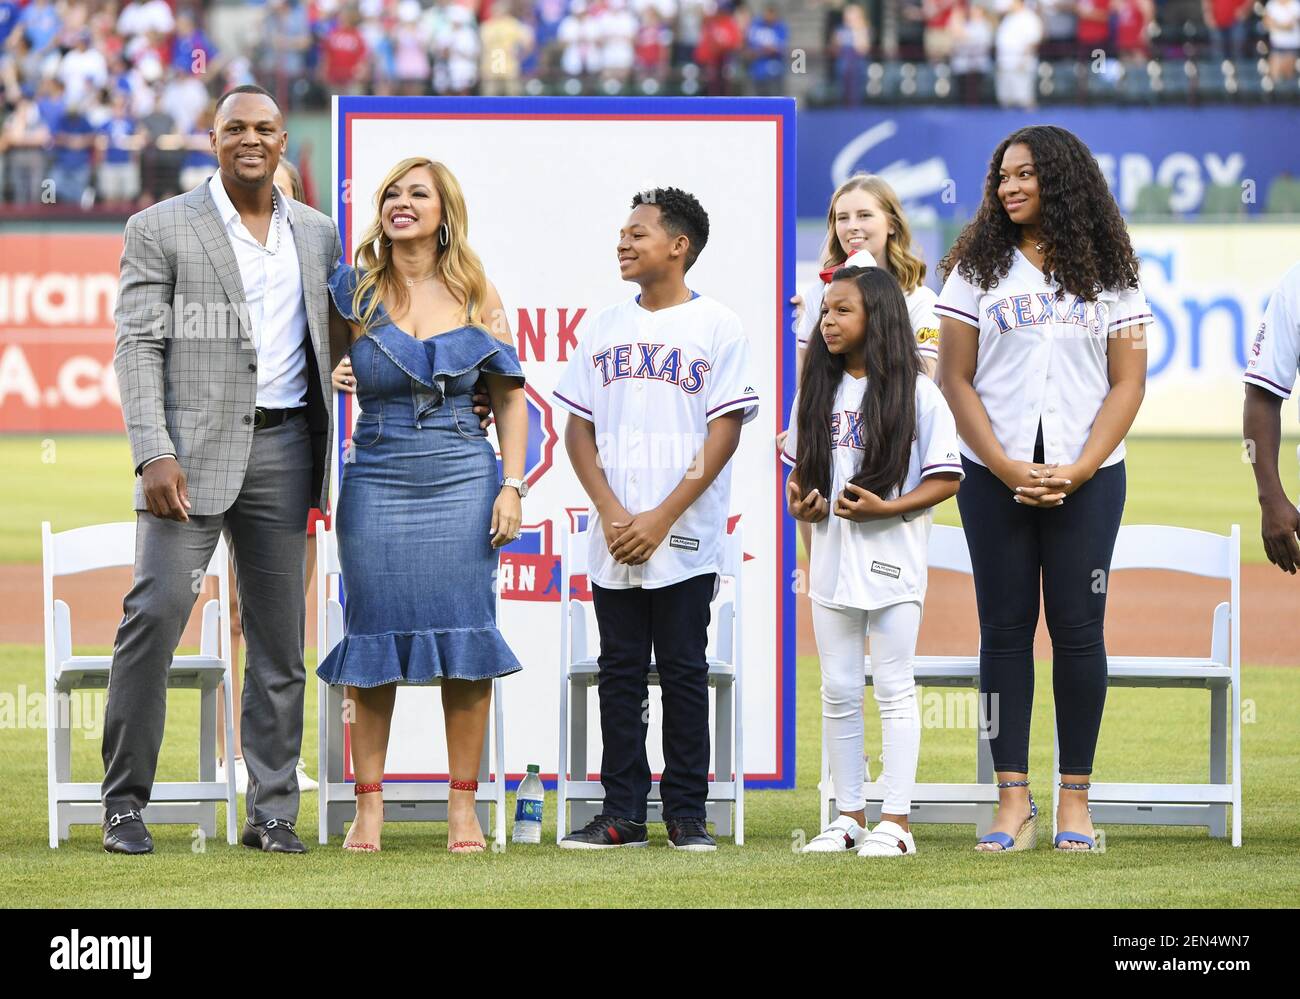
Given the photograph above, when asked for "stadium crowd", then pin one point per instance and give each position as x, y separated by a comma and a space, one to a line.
1005, 40
112, 101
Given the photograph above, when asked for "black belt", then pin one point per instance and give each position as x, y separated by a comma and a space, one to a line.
264, 419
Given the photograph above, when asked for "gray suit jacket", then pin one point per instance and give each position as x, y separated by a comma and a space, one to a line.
184, 359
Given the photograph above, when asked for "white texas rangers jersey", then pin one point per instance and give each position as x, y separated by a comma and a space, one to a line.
1041, 358
651, 382
876, 563
1275, 353
920, 311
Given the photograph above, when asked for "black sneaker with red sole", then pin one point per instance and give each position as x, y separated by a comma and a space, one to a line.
605, 832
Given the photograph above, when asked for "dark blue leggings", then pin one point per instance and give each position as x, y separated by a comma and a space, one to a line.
1069, 547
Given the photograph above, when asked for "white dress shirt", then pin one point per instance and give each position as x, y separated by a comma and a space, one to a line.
273, 289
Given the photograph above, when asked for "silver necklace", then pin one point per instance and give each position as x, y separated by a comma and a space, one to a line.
412, 282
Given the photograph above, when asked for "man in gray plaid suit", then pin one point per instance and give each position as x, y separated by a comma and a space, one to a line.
223, 359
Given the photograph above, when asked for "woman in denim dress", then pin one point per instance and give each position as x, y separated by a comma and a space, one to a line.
422, 509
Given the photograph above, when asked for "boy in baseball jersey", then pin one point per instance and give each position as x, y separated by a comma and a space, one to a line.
1270, 376
677, 361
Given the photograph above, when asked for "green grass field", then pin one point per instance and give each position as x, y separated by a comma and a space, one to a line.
73, 481
1146, 736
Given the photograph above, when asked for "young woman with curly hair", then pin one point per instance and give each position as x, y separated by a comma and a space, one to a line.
1042, 348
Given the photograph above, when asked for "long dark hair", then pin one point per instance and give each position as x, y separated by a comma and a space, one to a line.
1086, 248
888, 405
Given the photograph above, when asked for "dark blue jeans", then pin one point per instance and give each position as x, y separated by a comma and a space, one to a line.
1069, 548
674, 621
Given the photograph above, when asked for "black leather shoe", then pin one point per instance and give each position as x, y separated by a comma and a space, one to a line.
275, 836
125, 832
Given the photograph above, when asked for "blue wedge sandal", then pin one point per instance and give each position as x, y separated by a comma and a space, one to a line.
1026, 837
1066, 836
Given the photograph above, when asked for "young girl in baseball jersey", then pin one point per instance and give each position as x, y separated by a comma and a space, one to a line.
657, 392
865, 215
1044, 365
865, 221
873, 448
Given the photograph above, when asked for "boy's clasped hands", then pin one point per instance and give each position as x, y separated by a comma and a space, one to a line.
633, 539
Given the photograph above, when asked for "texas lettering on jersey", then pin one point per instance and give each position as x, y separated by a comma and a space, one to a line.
642, 360
846, 430
850, 423
1019, 311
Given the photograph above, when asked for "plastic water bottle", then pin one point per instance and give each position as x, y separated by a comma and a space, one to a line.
529, 798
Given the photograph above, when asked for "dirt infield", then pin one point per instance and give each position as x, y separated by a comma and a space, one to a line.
1148, 613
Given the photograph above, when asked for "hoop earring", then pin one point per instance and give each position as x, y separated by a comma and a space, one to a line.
444, 235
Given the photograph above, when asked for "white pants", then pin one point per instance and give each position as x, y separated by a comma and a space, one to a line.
840, 644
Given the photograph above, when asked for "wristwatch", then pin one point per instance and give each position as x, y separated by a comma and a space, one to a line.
520, 485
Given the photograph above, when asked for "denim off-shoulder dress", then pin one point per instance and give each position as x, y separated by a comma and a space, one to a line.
414, 512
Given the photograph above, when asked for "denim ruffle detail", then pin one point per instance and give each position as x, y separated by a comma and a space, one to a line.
421, 657
502, 359
342, 284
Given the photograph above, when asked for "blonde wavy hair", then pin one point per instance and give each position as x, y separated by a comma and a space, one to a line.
458, 266
900, 259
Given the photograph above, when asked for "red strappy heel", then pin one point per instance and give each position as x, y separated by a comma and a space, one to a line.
360, 789
460, 846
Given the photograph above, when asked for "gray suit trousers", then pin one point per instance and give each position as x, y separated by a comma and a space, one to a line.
266, 529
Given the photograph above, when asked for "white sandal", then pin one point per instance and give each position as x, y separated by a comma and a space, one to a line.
841, 836
888, 839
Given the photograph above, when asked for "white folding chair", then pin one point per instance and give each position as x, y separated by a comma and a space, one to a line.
104, 546
1136, 547
410, 801
1217, 556
958, 803
579, 799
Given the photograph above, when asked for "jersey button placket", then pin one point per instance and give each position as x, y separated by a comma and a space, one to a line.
1036, 394
1045, 388
636, 408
